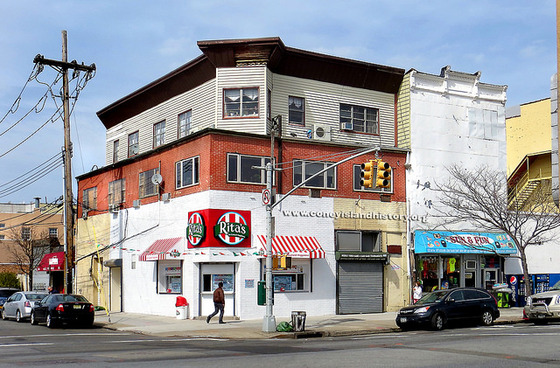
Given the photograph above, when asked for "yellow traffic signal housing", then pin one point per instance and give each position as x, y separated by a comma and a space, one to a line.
383, 175
366, 174
285, 262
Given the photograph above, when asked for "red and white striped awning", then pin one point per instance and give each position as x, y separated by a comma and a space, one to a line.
163, 249
294, 246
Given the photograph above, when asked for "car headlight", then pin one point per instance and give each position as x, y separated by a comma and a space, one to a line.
421, 310
529, 300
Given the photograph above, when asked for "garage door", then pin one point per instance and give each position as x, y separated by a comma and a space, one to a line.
360, 287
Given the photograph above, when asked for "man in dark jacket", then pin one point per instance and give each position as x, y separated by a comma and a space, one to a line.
219, 301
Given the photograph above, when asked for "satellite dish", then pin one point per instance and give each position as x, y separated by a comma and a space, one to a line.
157, 179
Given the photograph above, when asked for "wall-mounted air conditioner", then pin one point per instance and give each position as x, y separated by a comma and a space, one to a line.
166, 197
321, 132
136, 203
134, 149
114, 208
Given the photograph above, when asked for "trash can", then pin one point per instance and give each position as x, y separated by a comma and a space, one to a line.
298, 320
181, 308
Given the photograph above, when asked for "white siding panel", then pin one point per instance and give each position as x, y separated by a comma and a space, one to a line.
199, 100
322, 106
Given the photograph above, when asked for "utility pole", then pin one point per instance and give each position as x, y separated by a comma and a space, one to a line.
62, 67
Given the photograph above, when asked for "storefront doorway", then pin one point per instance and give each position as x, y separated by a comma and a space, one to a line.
210, 275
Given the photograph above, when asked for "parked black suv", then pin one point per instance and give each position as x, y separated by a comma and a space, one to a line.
437, 308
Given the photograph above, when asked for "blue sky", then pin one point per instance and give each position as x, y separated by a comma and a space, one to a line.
132, 43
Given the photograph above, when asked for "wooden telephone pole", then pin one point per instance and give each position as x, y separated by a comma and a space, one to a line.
62, 67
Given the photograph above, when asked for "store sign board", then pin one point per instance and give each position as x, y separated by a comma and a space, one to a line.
445, 242
219, 228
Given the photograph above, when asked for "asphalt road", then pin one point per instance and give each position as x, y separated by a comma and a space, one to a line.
521, 345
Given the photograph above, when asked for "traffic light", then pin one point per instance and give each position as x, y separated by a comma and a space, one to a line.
366, 175
383, 175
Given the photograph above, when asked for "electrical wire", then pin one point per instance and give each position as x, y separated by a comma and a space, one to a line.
32, 179
58, 155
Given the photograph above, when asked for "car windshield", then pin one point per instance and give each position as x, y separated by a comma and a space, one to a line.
6, 293
35, 296
432, 297
556, 286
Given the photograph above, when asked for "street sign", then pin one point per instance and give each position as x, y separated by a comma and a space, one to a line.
266, 196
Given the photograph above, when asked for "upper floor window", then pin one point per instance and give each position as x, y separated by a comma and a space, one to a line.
303, 170
240, 168
356, 170
26, 233
133, 144
359, 119
296, 110
2, 237
117, 191
89, 200
53, 232
115, 151
358, 241
2, 225
242, 102
187, 172
146, 186
159, 134
184, 123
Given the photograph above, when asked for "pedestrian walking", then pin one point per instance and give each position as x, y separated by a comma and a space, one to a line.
219, 302
416, 292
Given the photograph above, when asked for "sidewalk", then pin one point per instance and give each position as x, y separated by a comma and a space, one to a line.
332, 325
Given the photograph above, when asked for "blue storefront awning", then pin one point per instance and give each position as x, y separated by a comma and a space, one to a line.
457, 242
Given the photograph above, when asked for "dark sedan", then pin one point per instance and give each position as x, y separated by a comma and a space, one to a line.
57, 309
438, 308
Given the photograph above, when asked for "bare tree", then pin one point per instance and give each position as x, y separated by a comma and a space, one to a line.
29, 248
480, 198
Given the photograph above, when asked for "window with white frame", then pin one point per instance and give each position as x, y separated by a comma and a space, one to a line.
303, 170
356, 181
146, 187
187, 172
184, 124
358, 241
133, 141
117, 191
89, 199
115, 151
242, 102
297, 278
296, 110
170, 277
26, 233
359, 119
159, 134
240, 168
53, 232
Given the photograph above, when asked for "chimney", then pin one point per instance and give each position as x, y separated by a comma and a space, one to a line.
37, 202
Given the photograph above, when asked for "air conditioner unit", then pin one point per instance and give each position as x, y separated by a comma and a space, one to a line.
114, 208
346, 126
321, 132
166, 197
136, 203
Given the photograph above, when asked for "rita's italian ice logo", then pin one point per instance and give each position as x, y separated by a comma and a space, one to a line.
231, 228
196, 229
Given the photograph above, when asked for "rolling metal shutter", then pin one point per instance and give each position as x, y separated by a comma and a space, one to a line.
360, 287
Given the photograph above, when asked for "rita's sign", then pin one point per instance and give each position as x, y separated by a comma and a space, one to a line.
219, 228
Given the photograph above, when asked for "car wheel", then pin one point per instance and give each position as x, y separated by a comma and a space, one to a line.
50, 322
32, 319
487, 318
437, 322
3, 315
18, 316
540, 322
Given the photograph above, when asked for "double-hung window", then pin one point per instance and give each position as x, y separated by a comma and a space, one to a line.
25, 233
359, 119
187, 172
358, 241
53, 232
115, 151
356, 182
240, 168
184, 123
296, 110
146, 187
303, 170
89, 200
242, 102
133, 144
159, 133
117, 191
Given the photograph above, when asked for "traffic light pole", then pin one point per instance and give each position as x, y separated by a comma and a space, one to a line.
269, 321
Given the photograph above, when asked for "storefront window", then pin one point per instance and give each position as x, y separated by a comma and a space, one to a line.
439, 272
170, 277
295, 278
210, 282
